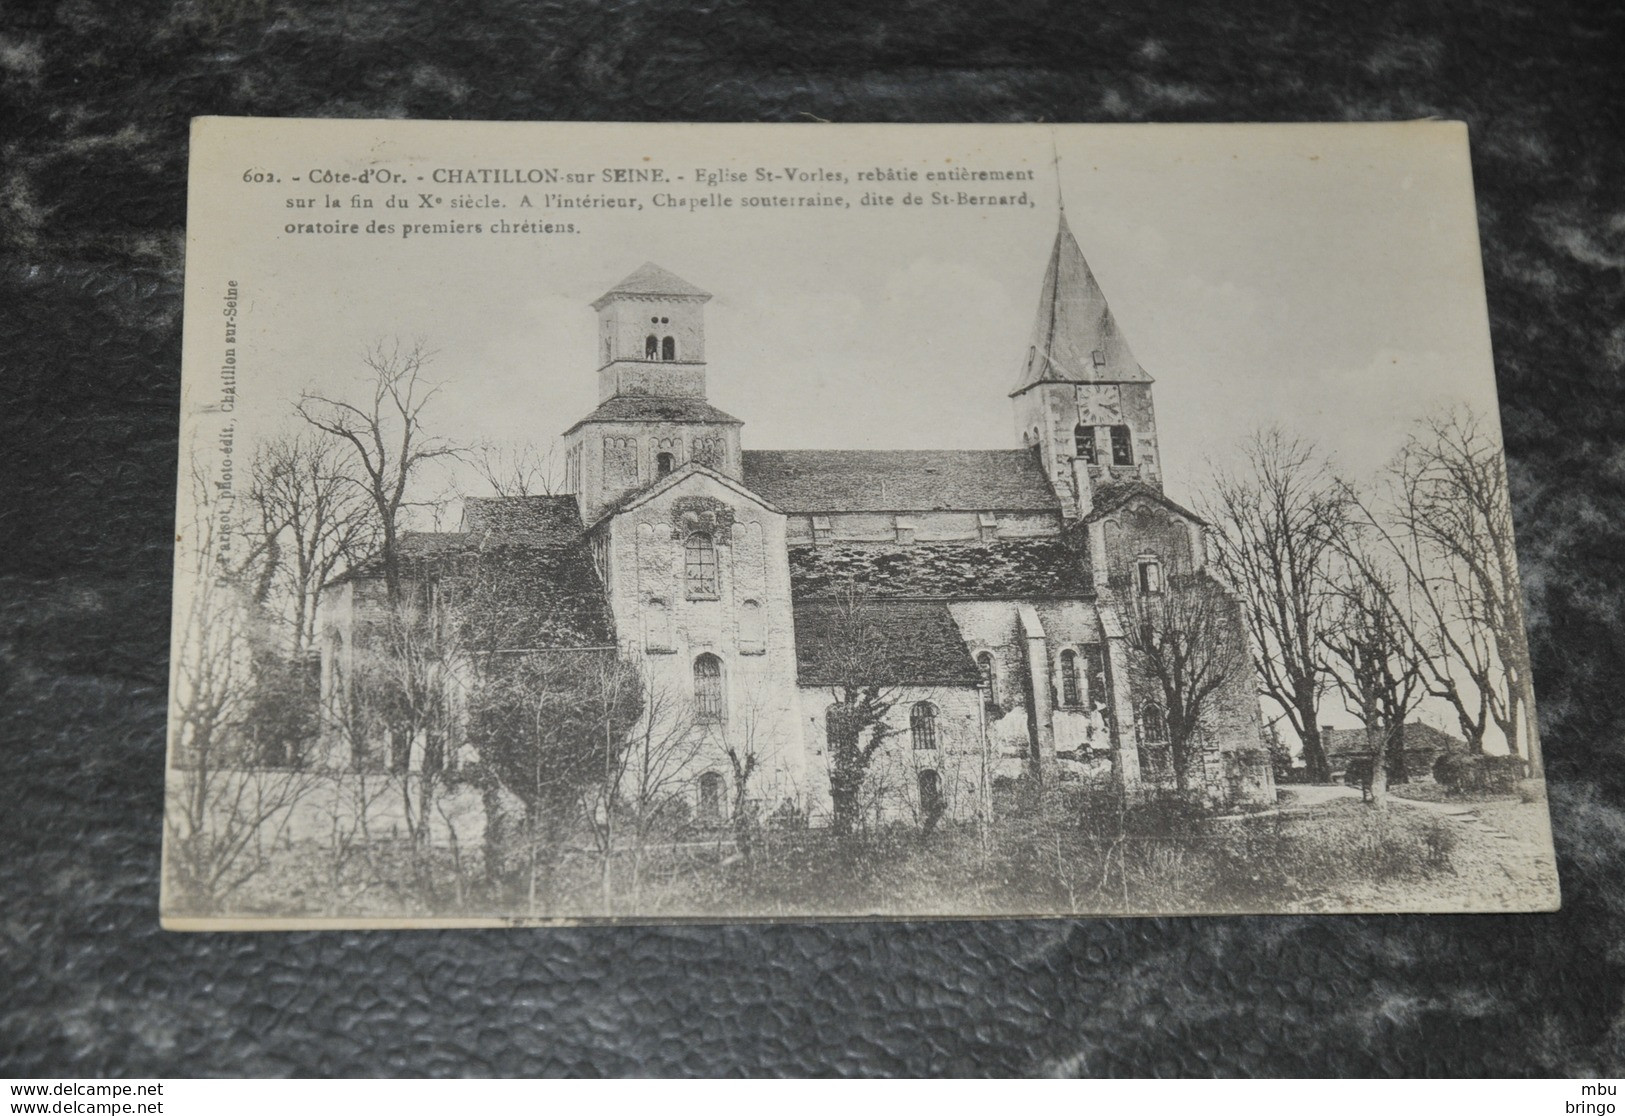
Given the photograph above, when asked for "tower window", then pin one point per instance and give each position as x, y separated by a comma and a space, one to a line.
1083, 437
922, 726
651, 347
668, 349
1071, 694
700, 566
1150, 575
990, 682
708, 703
664, 463
1099, 356
1122, 446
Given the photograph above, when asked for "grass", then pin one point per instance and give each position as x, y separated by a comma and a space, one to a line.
1148, 861
1435, 792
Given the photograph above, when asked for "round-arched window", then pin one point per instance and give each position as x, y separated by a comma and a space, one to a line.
700, 565
922, 726
709, 705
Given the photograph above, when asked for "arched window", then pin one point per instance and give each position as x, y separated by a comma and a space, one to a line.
751, 639
1083, 438
651, 347
922, 725
668, 349
1071, 692
930, 792
1152, 724
1122, 446
708, 703
700, 566
664, 463
710, 797
990, 681
1150, 575
1094, 662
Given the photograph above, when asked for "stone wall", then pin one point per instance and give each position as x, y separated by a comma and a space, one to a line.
746, 624
1051, 413
891, 790
596, 449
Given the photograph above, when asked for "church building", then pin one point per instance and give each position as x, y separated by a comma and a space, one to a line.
995, 585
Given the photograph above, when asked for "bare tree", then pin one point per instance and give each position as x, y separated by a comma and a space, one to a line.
1274, 527
1375, 664
747, 740
643, 781
1184, 645
223, 812
1447, 528
549, 724
852, 654
387, 441
311, 520
518, 470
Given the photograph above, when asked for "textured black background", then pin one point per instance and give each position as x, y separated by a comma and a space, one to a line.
93, 117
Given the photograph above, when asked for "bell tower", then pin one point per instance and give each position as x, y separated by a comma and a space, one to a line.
1082, 399
651, 336
652, 417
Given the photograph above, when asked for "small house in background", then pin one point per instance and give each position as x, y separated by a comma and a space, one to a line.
1412, 763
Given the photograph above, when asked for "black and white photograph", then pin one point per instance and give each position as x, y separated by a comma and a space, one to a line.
659, 523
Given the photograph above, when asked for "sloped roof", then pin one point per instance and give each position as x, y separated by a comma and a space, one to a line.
652, 279
531, 597
1417, 737
1073, 324
540, 520
656, 408
897, 643
1001, 570
672, 479
808, 481
1111, 497
525, 595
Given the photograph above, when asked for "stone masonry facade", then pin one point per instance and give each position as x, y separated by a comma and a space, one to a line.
1000, 581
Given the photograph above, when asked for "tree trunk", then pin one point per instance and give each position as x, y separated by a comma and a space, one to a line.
496, 833
1314, 750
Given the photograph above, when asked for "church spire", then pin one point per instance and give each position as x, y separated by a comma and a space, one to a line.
1074, 338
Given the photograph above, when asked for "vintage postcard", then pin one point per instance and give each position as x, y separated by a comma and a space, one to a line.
627, 522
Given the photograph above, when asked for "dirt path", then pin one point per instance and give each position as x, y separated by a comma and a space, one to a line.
1501, 860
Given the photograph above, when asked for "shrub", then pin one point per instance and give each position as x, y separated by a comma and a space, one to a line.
1461, 771
1503, 773
1106, 812
1438, 843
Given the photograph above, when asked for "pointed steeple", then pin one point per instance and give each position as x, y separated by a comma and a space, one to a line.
1075, 339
